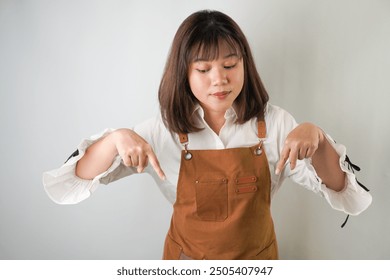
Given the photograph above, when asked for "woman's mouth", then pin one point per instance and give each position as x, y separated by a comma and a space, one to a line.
221, 94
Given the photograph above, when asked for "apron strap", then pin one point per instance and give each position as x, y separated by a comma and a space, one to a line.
183, 138
261, 129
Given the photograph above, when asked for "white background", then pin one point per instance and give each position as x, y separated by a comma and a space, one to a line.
69, 69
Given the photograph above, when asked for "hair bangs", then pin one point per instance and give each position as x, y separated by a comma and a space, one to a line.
207, 48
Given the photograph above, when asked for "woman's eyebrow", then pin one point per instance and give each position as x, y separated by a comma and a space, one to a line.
231, 55
200, 59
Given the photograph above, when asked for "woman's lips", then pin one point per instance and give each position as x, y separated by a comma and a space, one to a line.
221, 94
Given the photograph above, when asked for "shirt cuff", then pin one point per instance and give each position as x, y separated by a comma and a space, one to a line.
353, 199
64, 187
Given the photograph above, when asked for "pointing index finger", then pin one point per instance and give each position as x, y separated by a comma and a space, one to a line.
156, 165
293, 158
284, 156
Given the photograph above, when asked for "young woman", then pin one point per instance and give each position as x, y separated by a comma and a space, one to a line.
218, 151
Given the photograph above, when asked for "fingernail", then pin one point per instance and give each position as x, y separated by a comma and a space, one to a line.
277, 171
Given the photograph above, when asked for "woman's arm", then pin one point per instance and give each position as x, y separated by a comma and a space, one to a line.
309, 141
326, 163
132, 148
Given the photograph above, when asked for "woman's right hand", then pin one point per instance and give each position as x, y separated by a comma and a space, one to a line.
135, 151
132, 148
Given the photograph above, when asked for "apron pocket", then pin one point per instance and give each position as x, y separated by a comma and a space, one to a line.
212, 199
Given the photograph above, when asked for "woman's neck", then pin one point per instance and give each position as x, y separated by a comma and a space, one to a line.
215, 120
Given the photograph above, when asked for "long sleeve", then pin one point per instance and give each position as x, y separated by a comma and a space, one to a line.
64, 187
353, 199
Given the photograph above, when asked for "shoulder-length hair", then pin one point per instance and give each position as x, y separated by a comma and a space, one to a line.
198, 36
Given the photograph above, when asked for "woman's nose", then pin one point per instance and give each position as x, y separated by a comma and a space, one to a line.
219, 77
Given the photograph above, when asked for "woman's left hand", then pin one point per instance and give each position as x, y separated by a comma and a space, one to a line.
302, 142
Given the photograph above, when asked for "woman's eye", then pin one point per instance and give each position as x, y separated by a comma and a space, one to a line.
202, 70
230, 66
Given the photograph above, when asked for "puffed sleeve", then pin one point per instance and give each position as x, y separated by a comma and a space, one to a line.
353, 199
64, 187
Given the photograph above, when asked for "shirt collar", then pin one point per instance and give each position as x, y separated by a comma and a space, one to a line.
230, 114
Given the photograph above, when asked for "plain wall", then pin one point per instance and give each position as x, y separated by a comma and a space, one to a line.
69, 69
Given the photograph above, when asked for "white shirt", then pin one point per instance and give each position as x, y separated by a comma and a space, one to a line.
64, 187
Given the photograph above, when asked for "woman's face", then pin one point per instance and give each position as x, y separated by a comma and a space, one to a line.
217, 83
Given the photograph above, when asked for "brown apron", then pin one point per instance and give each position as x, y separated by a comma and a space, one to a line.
222, 208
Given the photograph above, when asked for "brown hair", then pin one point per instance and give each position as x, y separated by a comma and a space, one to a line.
200, 33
